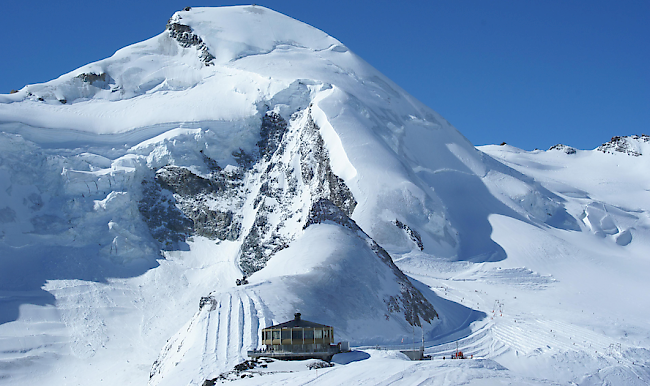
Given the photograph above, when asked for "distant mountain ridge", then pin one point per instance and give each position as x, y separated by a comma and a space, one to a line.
630, 145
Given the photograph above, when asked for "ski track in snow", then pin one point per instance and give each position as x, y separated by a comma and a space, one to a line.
231, 329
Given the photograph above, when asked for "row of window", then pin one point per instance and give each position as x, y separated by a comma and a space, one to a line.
300, 348
297, 334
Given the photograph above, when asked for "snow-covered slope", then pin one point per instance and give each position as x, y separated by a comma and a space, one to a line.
136, 190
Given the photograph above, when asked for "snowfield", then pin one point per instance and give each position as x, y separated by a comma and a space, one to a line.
135, 192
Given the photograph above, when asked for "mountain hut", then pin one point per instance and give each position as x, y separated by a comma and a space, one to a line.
298, 339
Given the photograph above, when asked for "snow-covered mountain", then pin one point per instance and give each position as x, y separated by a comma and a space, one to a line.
138, 190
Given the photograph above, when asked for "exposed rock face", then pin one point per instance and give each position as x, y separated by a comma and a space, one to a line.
276, 183
315, 170
93, 78
272, 131
183, 182
186, 38
564, 148
208, 300
282, 188
624, 144
176, 203
260, 244
411, 233
273, 197
194, 195
325, 210
166, 222
410, 301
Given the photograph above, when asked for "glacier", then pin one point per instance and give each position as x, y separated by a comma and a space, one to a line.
240, 143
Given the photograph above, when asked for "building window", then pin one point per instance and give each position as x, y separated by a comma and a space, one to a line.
309, 334
296, 335
318, 334
276, 334
286, 334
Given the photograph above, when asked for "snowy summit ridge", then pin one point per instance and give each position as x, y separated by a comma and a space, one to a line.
160, 207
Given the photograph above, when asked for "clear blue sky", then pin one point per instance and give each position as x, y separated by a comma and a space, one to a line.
530, 73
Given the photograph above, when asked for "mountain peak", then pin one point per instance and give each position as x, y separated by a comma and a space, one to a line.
231, 33
250, 163
631, 145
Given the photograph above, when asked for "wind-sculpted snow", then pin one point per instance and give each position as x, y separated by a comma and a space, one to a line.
253, 166
609, 211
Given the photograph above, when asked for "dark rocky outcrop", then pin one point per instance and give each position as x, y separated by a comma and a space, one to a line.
260, 244
214, 224
244, 159
193, 193
208, 300
325, 210
263, 240
560, 147
91, 77
184, 35
271, 133
178, 203
620, 144
247, 369
315, 170
279, 187
411, 233
166, 222
183, 182
410, 301
101, 80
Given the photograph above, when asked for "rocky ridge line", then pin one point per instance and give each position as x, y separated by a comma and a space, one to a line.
564, 148
410, 301
281, 186
621, 144
186, 38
